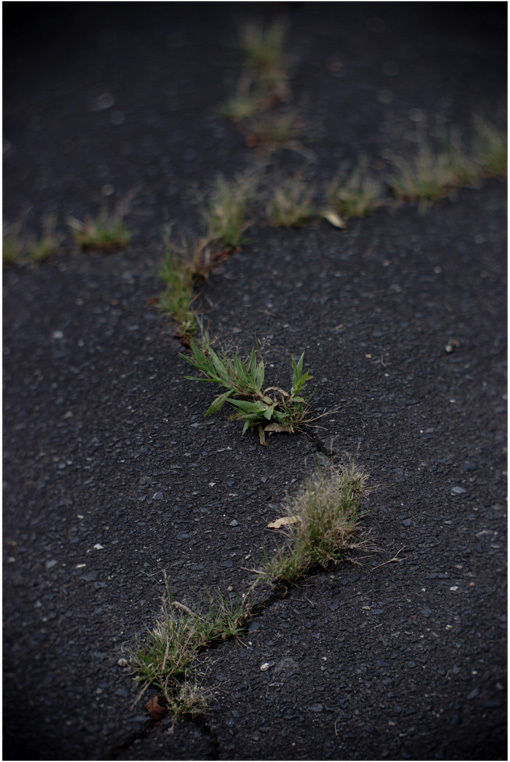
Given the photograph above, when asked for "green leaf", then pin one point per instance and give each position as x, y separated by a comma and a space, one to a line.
260, 375
220, 368
218, 402
249, 407
269, 413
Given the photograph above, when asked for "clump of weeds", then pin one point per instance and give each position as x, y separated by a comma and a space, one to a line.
291, 204
105, 232
167, 661
12, 246
265, 59
182, 268
21, 250
275, 130
432, 172
356, 193
267, 409
322, 524
490, 148
225, 211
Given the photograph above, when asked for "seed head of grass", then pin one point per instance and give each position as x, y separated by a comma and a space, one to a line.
106, 232
491, 148
355, 194
225, 211
291, 204
326, 514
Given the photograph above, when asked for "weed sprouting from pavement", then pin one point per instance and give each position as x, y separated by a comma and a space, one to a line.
431, 173
21, 250
355, 193
274, 130
167, 661
225, 211
269, 409
291, 204
264, 55
12, 246
105, 232
490, 148
324, 520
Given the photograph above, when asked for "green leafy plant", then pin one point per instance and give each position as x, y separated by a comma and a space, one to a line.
355, 193
269, 409
106, 232
167, 661
291, 204
490, 148
225, 211
322, 523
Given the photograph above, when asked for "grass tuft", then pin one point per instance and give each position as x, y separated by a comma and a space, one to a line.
264, 55
490, 148
269, 409
19, 250
431, 174
326, 514
355, 194
167, 660
291, 204
225, 211
274, 130
106, 232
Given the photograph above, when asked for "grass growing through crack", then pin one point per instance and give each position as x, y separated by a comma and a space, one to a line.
291, 204
356, 193
431, 173
225, 211
269, 409
167, 661
106, 232
20, 250
490, 148
324, 523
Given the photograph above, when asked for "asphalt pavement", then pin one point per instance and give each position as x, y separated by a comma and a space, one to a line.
112, 475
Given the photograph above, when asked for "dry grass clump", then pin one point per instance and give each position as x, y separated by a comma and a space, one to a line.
291, 204
105, 232
356, 193
323, 523
491, 148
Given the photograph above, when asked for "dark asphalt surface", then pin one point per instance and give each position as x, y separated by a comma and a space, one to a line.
113, 476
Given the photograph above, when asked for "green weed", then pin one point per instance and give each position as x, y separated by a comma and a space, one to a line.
23, 250
291, 204
106, 232
12, 247
323, 524
269, 409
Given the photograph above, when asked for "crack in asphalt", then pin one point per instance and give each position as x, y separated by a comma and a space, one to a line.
278, 593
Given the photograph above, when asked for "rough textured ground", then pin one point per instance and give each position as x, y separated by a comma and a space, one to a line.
105, 441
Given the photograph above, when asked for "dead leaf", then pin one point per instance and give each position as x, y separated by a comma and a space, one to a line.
156, 711
333, 218
283, 522
277, 427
